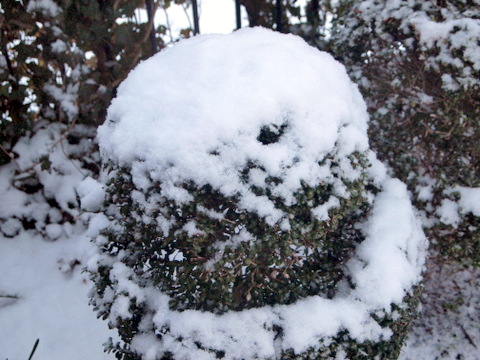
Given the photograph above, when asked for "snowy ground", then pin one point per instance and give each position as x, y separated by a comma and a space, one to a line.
449, 326
43, 295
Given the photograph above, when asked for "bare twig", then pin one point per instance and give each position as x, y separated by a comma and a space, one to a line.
34, 348
467, 335
9, 154
9, 297
169, 27
185, 10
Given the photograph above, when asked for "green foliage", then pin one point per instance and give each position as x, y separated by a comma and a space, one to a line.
273, 267
213, 268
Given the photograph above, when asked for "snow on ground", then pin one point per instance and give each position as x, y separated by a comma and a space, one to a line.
51, 302
43, 247
449, 325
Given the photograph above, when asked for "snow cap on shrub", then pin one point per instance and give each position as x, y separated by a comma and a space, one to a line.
205, 109
249, 219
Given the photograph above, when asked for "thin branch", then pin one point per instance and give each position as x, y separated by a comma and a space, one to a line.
151, 16
185, 10
115, 4
9, 297
196, 25
33, 350
9, 154
278, 15
169, 27
7, 60
467, 335
238, 14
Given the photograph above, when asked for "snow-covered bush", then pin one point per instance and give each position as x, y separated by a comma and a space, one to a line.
40, 187
418, 66
248, 217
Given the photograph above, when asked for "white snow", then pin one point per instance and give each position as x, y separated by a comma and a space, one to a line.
453, 34
43, 293
469, 200
321, 211
66, 97
47, 7
51, 306
59, 46
91, 193
448, 212
448, 327
452, 211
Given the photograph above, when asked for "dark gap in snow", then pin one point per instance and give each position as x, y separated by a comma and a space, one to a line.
271, 134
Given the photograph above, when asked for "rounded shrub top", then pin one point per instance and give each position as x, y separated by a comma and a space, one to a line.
246, 216
209, 107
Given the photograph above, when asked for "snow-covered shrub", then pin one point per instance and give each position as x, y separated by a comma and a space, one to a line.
40, 186
418, 66
248, 217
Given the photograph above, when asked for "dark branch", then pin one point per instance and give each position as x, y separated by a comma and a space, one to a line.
238, 14
150, 13
196, 26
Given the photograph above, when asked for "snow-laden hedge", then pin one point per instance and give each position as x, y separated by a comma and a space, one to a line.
247, 217
418, 66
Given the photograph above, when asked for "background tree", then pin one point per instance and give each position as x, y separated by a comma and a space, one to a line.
309, 20
62, 60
